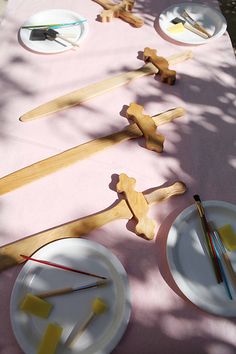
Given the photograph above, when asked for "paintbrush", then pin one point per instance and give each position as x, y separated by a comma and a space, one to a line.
220, 258
70, 290
225, 256
209, 243
55, 25
38, 34
99, 306
189, 27
194, 23
60, 266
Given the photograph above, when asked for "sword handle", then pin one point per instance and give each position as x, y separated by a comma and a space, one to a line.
168, 116
161, 194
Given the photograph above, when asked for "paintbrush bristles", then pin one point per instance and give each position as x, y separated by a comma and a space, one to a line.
200, 210
197, 198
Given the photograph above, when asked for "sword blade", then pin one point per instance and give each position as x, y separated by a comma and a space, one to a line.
86, 93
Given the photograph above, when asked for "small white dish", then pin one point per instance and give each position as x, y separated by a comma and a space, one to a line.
189, 264
106, 330
212, 20
78, 32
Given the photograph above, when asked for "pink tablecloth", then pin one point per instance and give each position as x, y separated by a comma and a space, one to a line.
199, 150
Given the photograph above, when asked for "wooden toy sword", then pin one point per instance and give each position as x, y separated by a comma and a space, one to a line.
143, 125
134, 205
154, 65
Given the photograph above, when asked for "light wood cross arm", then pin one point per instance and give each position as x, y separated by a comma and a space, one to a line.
139, 202
167, 75
138, 206
146, 124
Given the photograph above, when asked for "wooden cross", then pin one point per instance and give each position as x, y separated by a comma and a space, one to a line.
121, 10
133, 205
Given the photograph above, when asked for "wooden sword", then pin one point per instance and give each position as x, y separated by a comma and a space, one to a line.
143, 125
133, 205
154, 65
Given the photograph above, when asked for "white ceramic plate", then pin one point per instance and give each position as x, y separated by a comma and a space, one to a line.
189, 264
76, 33
212, 20
106, 330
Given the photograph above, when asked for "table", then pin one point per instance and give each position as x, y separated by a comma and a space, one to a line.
199, 150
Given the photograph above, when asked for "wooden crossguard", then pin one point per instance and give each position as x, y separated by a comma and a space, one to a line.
86, 93
121, 10
167, 75
138, 205
145, 126
135, 205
